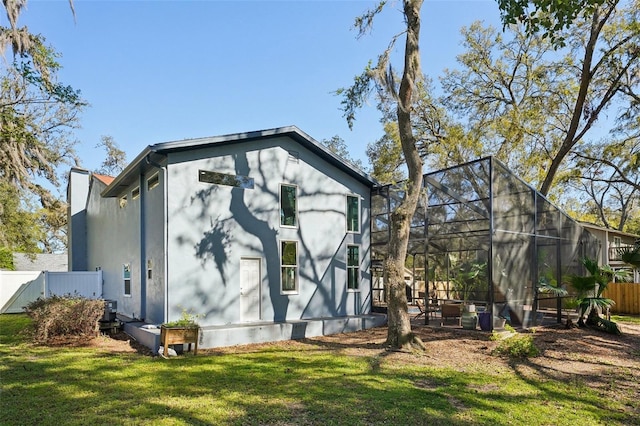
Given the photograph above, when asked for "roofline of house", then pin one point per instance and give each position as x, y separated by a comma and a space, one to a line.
608, 230
141, 163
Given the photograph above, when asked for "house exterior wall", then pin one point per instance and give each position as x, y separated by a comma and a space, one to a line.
113, 239
607, 238
154, 246
78, 190
212, 227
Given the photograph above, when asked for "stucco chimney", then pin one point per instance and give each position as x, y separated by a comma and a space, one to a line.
77, 193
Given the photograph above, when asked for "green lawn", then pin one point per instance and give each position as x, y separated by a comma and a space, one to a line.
297, 383
631, 319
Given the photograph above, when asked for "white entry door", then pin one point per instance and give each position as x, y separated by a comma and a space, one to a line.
250, 278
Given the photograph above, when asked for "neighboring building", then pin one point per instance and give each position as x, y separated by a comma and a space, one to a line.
259, 228
40, 262
612, 244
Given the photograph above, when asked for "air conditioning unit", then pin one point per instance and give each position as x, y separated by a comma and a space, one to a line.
110, 308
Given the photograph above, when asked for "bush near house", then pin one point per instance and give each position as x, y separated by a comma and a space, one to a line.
65, 316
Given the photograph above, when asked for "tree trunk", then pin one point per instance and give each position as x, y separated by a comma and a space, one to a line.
593, 317
399, 326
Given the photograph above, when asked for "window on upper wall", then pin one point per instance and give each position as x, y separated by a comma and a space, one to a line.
122, 201
244, 182
294, 157
135, 194
153, 181
617, 242
288, 267
126, 276
288, 206
353, 213
353, 267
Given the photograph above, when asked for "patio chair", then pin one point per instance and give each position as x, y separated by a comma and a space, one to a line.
420, 303
450, 310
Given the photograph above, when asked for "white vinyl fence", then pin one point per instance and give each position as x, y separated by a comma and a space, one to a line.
18, 288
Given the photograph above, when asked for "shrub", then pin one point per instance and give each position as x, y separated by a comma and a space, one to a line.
515, 345
65, 316
6, 259
187, 319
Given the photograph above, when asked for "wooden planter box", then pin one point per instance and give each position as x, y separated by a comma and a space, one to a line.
179, 335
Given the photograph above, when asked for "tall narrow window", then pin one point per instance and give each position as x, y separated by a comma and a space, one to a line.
288, 206
289, 266
353, 214
353, 267
135, 194
153, 182
126, 275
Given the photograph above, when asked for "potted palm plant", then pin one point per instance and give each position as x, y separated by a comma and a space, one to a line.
469, 279
589, 290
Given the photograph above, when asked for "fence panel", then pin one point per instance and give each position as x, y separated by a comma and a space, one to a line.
626, 296
80, 283
18, 288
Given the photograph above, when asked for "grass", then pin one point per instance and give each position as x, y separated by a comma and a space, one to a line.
632, 319
297, 383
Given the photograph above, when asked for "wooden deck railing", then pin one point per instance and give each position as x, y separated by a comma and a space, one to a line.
615, 253
626, 296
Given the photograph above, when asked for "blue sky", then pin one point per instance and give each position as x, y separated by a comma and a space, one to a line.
156, 71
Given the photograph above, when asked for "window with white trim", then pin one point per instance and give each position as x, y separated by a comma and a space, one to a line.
126, 276
135, 194
288, 205
288, 267
122, 202
353, 267
353, 214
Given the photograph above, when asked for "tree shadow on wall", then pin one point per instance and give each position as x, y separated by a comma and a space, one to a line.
263, 231
216, 242
250, 226
214, 245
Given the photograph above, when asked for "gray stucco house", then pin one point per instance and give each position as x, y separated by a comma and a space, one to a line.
266, 234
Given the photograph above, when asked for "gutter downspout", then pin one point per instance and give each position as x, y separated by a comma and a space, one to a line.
143, 248
165, 236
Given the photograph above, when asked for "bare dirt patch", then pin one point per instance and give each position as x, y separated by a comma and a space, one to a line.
119, 342
570, 351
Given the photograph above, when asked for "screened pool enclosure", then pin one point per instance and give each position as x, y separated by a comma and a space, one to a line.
483, 236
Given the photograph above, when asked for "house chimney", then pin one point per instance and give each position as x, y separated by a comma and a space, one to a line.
77, 193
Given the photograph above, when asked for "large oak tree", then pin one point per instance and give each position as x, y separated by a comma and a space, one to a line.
382, 77
37, 114
560, 14
532, 103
